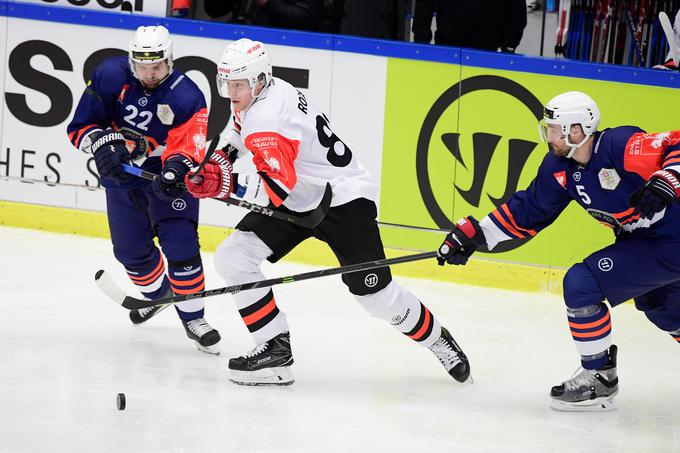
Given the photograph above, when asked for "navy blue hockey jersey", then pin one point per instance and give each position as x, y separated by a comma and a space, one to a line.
623, 158
170, 119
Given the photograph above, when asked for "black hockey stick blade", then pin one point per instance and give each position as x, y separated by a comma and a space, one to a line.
311, 220
109, 287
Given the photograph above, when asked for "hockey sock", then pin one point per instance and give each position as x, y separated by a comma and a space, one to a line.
404, 311
238, 260
676, 335
591, 330
150, 277
186, 277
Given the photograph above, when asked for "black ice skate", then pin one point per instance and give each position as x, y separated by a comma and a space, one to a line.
452, 357
144, 314
267, 364
206, 337
588, 390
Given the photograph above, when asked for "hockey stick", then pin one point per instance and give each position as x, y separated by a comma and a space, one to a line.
107, 285
633, 33
309, 221
670, 37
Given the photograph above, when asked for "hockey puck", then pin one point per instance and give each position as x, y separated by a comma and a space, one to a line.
120, 401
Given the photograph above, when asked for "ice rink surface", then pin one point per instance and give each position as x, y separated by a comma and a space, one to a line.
66, 351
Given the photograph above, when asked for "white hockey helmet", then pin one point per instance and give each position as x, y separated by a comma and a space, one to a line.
150, 45
243, 59
566, 110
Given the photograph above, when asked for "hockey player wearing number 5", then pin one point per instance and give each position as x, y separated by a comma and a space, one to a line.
138, 109
626, 179
296, 153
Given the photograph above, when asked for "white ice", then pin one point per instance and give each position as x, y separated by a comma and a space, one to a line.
66, 351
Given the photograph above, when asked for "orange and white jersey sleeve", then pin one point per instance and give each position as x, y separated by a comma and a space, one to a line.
296, 153
646, 153
188, 138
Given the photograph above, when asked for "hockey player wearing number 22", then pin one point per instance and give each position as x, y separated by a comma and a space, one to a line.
138, 110
296, 154
626, 179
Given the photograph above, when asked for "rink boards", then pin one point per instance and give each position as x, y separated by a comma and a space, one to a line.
446, 132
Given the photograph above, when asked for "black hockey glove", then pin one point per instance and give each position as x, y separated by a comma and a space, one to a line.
169, 184
109, 152
660, 190
461, 242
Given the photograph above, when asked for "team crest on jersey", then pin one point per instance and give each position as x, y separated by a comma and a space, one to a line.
561, 177
143, 101
609, 178
199, 141
165, 114
577, 176
274, 164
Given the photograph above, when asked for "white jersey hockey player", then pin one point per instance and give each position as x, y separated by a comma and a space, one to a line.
296, 153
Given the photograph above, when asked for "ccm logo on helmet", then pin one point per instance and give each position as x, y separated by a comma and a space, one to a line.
254, 48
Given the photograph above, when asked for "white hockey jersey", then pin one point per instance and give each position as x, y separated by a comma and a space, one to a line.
296, 153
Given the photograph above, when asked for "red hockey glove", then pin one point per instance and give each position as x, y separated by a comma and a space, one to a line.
660, 190
461, 242
214, 181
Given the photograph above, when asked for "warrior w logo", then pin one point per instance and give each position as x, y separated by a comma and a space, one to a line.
476, 145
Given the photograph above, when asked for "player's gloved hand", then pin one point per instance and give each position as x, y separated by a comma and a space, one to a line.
214, 180
660, 190
169, 184
461, 242
109, 150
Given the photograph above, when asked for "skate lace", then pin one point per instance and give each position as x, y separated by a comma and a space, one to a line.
581, 378
145, 311
445, 353
259, 349
199, 326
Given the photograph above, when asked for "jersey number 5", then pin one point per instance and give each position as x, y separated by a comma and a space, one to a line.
584, 196
339, 155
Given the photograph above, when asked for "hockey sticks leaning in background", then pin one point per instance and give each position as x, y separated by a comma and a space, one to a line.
107, 285
309, 221
670, 37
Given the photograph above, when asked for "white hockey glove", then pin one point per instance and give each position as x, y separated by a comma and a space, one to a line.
250, 187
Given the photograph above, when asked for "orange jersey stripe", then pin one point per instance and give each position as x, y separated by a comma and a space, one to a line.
504, 206
80, 132
426, 322
590, 325
592, 334
618, 215
505, 224
671, 161
259, 314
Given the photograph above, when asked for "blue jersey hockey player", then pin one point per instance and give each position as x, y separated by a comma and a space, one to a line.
138, 109
628, 180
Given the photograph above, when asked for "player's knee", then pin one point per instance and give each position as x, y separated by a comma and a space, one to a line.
380, 303
178, 238
580, 287
241, 253
367, 282
135, 255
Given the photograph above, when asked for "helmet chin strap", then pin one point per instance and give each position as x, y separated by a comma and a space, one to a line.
573, 147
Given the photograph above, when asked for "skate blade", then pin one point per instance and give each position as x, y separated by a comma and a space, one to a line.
605, 404
282, 375
214, 349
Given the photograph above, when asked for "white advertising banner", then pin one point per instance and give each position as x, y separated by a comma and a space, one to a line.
47, 65
146, 7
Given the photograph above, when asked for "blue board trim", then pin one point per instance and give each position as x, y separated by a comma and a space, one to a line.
343, 43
